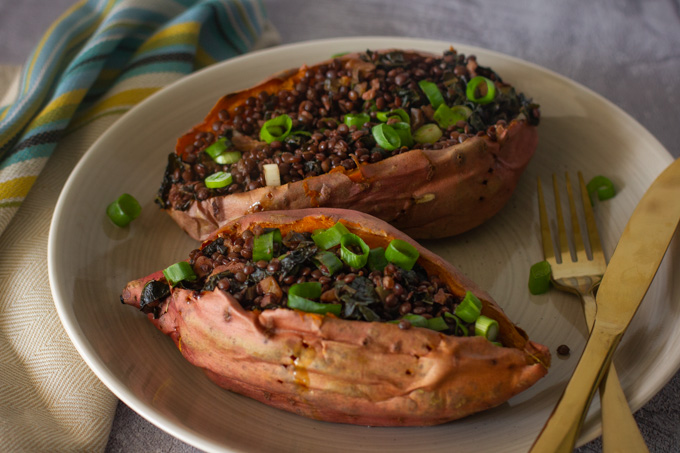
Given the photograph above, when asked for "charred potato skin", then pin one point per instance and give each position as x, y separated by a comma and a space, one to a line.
425, 193
345, 371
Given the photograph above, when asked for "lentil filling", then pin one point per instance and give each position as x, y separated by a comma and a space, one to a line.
386, 86
388, 293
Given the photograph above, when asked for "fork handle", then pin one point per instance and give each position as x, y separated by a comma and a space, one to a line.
620, 432
564, 424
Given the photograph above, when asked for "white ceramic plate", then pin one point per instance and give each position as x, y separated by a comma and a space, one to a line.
90, 261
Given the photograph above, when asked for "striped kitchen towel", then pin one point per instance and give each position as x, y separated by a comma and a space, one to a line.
101, 57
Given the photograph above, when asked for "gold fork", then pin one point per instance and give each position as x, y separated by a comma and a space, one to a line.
581, 276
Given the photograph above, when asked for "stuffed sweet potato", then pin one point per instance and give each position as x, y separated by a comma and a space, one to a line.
270, 308
434, 145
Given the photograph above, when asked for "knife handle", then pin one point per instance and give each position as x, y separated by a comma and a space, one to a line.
564, 424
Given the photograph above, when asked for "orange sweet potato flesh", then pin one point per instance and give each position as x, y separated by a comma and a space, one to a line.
326, 368
424, 193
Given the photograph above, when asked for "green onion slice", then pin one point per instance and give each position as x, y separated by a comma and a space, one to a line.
473, 88
300, 295
402, 254
601, 185
338, 55
355, 260
228, 157
263, 247
276, 129
276, 234
398, 113
486, 327
428, 133
469, 309
432, 92
403, 130
539, 277
179, 272
356, 119
437, 324
386, 137
217, 148
218, 180
376, 259
447, 116
459, 325
415, 320
124, 210
326, 239
328, 263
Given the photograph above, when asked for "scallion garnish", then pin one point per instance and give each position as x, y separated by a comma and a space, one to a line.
396, 113
428, 133
328, 263
354, 251
276, 129
476, 95
263, 247
331, 237
218, 147
447, 116
356, 119
539, 277
469, 308
124, 210
459, 324
486, 327
386, 137
432, 92
179, 272
300, 295
403, 130
228, 157
601, 185
437, 324
218, 180
376, 259
415, 320
402, 254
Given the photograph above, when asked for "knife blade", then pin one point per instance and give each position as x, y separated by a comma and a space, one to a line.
631, 270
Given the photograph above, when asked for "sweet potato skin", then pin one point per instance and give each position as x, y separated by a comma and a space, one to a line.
344, 371
425, 193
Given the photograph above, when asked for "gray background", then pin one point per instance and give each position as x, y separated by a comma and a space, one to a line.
626, 50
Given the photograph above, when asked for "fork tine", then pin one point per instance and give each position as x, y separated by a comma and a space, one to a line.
546, 239
561, 230
576, 229
591, 225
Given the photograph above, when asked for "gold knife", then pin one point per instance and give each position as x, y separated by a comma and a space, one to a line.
630, 272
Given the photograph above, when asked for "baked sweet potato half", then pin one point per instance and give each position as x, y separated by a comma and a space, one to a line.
270, 308
434, 145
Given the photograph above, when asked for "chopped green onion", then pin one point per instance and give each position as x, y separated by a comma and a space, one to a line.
402, 254
277, 234
357, 119
124, 210
447, 116
473, 88
276, 129
355, 260
179, 272
486, 327
305, 133
263, 247
437, 324
403, 130
300, 295
469, 309
415, 320
386, 137
228, 157
432, 92
326, 239
396, 113
328, 263
459, 324
539, 277
428, 133
376, 259
603, 186
338, 55
218, 180
217, 148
